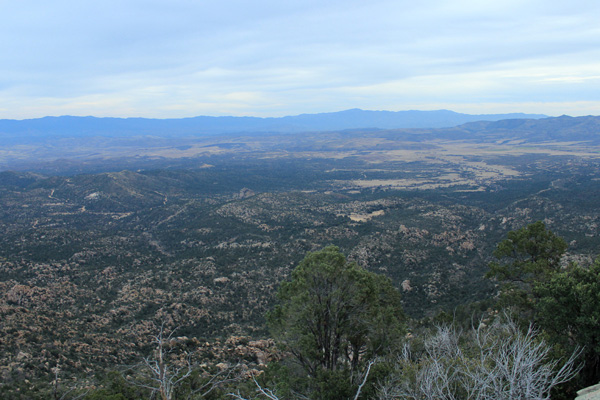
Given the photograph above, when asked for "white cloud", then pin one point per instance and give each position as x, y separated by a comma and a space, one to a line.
185, 58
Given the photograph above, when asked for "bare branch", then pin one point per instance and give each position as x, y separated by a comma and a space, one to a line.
259, 389
503, 363
231, 374
163, 375
371, 362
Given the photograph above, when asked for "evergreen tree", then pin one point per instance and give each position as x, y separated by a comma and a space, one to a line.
334, 316
526, 257
568, 309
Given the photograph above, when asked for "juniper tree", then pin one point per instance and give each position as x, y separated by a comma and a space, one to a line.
527, 256
334, 316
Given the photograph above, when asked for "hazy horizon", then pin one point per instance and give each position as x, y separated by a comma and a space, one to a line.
282, 116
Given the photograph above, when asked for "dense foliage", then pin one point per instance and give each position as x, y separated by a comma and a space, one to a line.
563, 301
528, 257
333, 317
568, 309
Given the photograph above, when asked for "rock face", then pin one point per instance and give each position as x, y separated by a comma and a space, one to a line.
245, 193
406, 285
589, 393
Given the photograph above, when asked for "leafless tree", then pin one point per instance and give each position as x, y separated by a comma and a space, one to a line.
216, 380
159, 374
58, 394
272, 395
162, 373
499, 362
515, 365
434, 376
268, 393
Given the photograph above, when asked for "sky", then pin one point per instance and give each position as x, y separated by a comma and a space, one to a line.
270, 58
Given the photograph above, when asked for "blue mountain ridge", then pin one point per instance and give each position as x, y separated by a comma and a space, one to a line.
71, 126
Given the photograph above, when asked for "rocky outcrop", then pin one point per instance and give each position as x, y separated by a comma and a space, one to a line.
589, 393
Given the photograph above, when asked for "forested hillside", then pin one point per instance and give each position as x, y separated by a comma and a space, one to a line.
91, 265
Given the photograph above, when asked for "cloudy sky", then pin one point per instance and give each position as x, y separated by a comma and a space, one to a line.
183, 58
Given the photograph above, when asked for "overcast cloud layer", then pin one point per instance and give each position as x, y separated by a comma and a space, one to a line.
182, 58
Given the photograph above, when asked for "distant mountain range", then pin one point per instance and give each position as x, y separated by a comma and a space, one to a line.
89, 144
554, 129
68, 126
